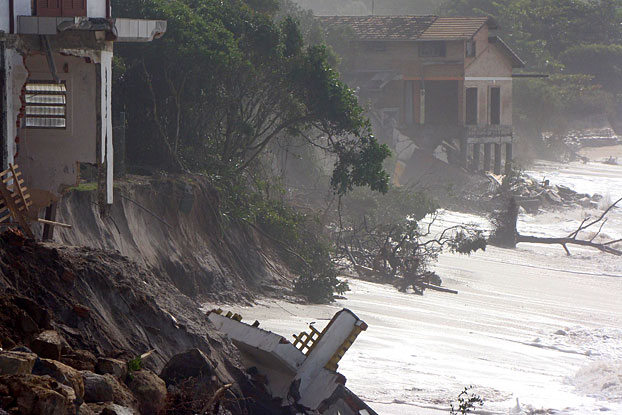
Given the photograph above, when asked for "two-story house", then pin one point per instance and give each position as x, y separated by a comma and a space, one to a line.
435, 79
55, 91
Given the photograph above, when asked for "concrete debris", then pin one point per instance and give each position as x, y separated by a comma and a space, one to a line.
303, 374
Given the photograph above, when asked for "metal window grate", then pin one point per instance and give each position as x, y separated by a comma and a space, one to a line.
46, 104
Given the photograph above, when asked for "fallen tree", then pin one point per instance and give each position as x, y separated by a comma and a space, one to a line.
391, 239
505, 233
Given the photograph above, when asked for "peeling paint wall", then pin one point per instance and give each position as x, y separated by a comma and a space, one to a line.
106, 150
48, 157
4, 16
491, 69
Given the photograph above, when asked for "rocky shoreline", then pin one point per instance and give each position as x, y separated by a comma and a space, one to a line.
75, 324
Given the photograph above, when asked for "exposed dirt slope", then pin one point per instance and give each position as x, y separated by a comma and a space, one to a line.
171, 227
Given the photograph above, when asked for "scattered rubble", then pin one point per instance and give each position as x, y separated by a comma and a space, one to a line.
592, 137
532, 195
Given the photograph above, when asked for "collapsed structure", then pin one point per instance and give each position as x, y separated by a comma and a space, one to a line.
56, 92
433, 80
303, 373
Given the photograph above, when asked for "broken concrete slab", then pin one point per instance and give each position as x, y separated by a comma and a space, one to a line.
305, 375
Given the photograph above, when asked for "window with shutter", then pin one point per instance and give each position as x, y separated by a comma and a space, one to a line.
46, 105
73, 8
49, 8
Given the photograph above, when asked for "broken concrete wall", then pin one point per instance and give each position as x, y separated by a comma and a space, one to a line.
49, 157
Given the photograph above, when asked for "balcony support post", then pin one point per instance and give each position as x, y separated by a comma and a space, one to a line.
487, 156
508, 158
477, 149
497, 158
464, 152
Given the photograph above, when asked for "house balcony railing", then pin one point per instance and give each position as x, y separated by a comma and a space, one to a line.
471, 133
483, 133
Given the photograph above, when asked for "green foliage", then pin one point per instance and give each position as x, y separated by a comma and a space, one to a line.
134, 365
467, 402
297, 236
234, 80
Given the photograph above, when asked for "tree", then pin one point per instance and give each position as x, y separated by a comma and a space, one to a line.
505, 233
226, 80
384, 238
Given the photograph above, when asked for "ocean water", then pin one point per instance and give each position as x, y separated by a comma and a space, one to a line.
532, 329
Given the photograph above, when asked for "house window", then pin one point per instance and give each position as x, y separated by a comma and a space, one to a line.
376, 46
471, 106
471, 50
46, 104
495, 106
58, 8
432, 49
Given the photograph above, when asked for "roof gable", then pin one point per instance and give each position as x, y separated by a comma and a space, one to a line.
410, 28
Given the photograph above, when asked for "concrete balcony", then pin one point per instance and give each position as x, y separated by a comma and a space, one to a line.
483, 134
118, 30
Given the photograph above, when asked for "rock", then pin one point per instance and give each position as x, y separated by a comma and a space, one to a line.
21, 349
80, 360
39, 395
62, 373
149, 390
190, 364
553, 197
121, 394
84, 409
115, 367
97, 388
108, 408
16, 363
47, 344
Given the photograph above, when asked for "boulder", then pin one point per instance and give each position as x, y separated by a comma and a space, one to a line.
84, 409
62, 373
149, 390
16, 363
115, 367
108, 408
190, 364
39, 395
97, 388
80, 360
47, 344
121, 394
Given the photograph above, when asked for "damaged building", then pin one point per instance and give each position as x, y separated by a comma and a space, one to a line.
55, 96
435, 81
304, 373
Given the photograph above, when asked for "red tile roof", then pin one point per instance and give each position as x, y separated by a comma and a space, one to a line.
410, 27
449, 28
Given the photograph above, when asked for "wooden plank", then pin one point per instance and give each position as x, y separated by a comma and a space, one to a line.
8, 179
4, 218
53, 223
19, 188
15, 212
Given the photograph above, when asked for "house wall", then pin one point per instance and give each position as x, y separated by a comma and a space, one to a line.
403, 57
491, 69
48, 157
